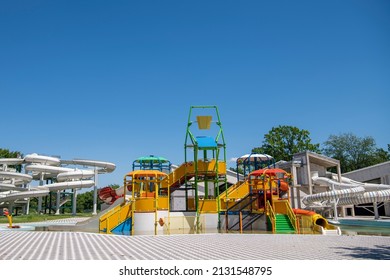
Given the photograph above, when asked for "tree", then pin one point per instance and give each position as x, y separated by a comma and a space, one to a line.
354, 152
5, 153
283, 142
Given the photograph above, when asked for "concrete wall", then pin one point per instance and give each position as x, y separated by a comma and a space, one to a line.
379, 172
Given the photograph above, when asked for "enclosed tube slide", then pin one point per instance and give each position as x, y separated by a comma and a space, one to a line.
348, 192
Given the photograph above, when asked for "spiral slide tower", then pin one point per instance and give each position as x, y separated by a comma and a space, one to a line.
16, 187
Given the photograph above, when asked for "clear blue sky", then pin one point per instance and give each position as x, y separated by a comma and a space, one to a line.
114, 80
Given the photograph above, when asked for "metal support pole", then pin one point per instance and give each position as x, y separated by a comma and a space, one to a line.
376, 212
309, 180
240, 221
11, 207
58, 203
39, 208
94, 212
335, 212
74, 204
27, 209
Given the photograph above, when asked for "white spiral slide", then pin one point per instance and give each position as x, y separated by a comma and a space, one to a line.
13, 185
67, 178
348, 192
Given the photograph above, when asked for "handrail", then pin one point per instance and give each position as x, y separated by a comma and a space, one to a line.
230, 189
110, 212
252, 198
272, 216
114, 215
292, 216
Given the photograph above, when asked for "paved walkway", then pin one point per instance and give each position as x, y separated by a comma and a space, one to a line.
32, 245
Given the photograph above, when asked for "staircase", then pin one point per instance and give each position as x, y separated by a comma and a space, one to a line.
252, 218
283, 224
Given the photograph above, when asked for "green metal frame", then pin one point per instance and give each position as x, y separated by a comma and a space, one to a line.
192, 143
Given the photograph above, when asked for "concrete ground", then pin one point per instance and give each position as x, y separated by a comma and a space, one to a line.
45, 245
27, 244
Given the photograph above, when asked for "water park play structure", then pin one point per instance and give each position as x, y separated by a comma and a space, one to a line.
55, 177
199, 197
202, 195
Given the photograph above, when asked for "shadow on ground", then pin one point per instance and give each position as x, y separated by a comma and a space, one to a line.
380, 252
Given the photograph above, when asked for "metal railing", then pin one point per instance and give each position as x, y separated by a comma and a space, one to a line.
271, 215
291, 215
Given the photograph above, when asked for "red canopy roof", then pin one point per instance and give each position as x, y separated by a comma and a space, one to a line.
270, 171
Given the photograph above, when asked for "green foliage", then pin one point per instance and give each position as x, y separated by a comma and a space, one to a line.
85, 202
354, 152
283, 141
38, 218
5, 153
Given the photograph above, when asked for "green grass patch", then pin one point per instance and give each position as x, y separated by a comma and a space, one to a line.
40, 218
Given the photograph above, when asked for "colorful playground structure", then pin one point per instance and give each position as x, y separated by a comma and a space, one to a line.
197, 196
201, 195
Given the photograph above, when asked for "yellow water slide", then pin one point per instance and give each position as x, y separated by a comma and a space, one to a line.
233, 194
312, 221
187, 170
117, 220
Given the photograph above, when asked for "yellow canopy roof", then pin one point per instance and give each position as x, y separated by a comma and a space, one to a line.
146, 173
